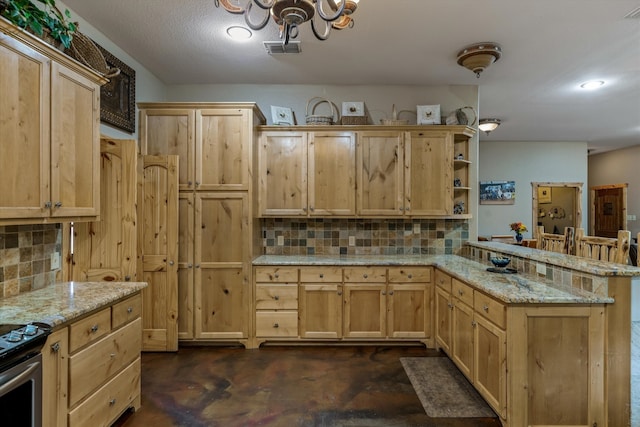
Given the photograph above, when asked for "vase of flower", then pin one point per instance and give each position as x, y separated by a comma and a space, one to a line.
519, 237
519, 228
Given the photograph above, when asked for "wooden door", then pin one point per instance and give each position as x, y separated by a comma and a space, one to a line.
331, 176
75, 144
610, 209
443, 320
223, 150
222, 289
490, 363
55, 378
320, 310
409, 310
365, 309
462, 328
158, 250
379, 174
105, 250
25, 89
428, 179
171, 131
283, 174
186, 241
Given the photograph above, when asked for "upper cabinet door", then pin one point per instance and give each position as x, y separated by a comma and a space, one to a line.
331, 174
379, 169
171, 131
428, 179
223, 150
24, 131
283, 174
75, 144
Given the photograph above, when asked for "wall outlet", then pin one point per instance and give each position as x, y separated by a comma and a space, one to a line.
416, 228
352, 240
280, 240
631, 217
55, 261
541, 269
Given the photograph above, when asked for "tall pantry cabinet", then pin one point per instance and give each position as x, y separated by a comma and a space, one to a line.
214, 142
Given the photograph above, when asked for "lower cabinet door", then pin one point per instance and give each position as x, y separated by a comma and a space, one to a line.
409, 310
462, 338
443, 320
110, 400
490, 377
276, 324
364, 310
320, 308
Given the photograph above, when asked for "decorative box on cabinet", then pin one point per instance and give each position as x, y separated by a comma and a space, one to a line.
54, 103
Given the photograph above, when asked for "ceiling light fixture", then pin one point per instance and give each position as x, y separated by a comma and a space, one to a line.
239, 33
592, 84
488, 125
477, 57
289, 14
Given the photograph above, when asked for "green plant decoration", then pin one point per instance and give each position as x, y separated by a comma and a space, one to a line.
49, 18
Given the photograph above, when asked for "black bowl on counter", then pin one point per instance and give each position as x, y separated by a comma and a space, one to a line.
500, 262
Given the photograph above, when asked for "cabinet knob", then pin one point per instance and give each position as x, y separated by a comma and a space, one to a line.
485, 308
197, 265
112, 355
189, 265
384, 292
410, 276
450, 305
47, 205
276, 297
322, 275
129, 310
339, 292
55, 347
461, 292
390, 292
171, 263
197, 183
277, 275
189, 183
311, 208
365, 275
112, 402
94, 328
275, 325
127, 278
58, 204
473, 323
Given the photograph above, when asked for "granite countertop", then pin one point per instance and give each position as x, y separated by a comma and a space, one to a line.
598, 268
62, 302
508, 288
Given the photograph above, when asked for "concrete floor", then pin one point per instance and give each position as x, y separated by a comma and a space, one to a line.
283, 386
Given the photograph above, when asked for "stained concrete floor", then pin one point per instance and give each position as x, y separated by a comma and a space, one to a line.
283, 386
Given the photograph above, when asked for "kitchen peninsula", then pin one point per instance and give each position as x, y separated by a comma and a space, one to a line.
519, 338
91, 360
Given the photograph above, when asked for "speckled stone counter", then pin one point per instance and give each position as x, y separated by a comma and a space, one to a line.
63, 302
509, 288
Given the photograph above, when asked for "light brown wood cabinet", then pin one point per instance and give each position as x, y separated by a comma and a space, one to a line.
276, 302
216, 231
392, 172
307, 173
50, 162
320, 308
55, 369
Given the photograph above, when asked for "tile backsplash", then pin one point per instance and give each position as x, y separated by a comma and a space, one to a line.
285, 236
25, 257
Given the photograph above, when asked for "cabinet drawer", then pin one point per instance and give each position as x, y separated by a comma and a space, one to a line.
92, 366
443, 280
321, 274
365, 274
125, 311
89, 329
462, 291
276, 297
277, 274
106, 404
277, 324
414, 274
493, 310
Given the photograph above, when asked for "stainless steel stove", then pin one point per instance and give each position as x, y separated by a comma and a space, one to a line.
18, 341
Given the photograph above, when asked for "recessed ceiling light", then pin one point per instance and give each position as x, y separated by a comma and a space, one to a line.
592, 84
239, 33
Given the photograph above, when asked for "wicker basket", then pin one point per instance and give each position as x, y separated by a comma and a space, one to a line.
316, 119
84, 50
354, 120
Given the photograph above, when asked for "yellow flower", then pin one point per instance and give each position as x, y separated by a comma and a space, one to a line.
518, 227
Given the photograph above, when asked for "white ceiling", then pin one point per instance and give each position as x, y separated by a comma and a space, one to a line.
549, 48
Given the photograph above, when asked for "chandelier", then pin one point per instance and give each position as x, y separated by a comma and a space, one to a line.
290, 14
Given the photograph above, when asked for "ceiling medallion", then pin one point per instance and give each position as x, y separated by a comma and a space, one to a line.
477, 57
289, 14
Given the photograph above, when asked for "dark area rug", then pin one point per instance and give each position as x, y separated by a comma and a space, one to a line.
443, 390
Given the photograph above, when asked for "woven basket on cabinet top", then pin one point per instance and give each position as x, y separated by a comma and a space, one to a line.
84, 50
316, 119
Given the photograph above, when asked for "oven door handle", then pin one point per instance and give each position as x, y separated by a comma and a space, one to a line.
8, 386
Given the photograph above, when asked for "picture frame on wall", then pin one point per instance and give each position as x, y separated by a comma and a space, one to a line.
544, 194
118, 95
497, 192
428, 114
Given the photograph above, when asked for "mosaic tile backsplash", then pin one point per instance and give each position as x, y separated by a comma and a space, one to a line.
25, 257
285, 236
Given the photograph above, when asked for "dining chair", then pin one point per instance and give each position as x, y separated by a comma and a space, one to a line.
560, 243
612, 249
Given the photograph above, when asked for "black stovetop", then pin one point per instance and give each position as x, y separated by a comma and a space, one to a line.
20, 341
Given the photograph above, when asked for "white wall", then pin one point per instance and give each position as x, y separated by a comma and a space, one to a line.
524, 163
619, 167
148, 86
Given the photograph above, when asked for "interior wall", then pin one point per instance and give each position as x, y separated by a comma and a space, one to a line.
526, 162
619, 167
148, 86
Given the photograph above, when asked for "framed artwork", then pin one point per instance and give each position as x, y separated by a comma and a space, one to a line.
281, 115
352, 109
428, 114
497, 192
544, 194
118, 96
